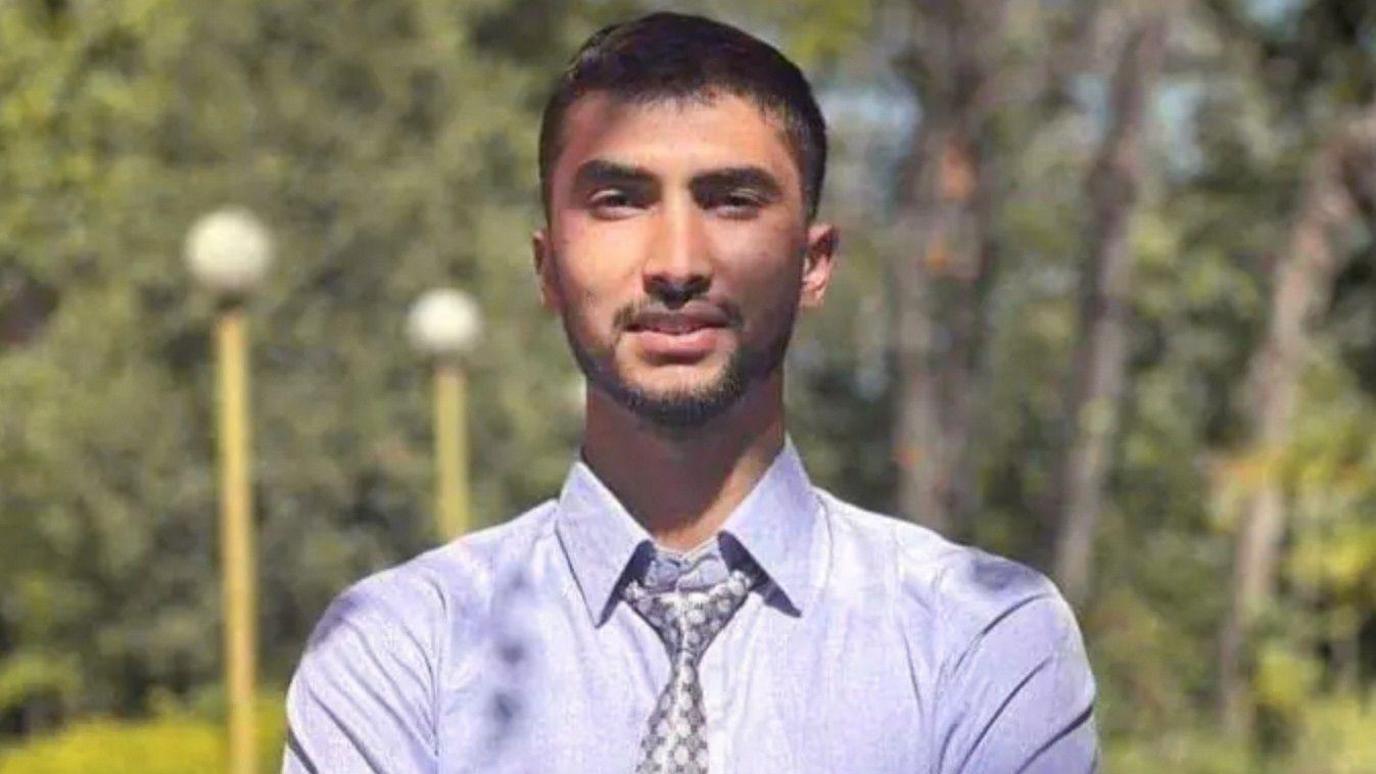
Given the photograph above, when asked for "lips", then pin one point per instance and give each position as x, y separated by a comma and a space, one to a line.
673, 326
684, 335
679, 322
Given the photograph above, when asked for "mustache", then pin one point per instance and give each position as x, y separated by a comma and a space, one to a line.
639, 312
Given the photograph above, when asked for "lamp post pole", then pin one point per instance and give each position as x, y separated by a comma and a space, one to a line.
451, 449
236, 536
444, 325
228, 251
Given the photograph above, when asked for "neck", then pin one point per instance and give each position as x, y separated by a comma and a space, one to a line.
682, 484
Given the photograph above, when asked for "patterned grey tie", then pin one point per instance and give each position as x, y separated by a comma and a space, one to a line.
675, 742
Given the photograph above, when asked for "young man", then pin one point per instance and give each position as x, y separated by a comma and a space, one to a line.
689, 602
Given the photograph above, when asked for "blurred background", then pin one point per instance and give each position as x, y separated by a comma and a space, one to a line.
1107, 304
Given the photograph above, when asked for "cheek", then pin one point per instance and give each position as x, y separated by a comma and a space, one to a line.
591, 285
598, 258
765, 265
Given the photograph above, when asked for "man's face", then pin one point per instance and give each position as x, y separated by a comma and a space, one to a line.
678, 251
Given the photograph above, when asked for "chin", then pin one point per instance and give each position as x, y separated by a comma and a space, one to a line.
673, 377
676, 382
680, 401
675, 396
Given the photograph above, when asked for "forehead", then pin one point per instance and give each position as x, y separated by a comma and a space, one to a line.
674, 136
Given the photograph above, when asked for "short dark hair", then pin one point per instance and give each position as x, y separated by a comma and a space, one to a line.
670, 56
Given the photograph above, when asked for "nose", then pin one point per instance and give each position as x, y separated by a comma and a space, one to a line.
678, 266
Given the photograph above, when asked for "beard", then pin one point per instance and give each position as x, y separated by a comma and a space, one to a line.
692, 407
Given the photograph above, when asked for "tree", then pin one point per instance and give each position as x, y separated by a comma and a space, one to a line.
1302, 276
1098, 368
941, 279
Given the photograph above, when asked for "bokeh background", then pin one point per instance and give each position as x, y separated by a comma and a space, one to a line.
1106, 305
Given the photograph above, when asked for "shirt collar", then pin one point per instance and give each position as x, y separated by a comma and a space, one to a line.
773, 524
599, 537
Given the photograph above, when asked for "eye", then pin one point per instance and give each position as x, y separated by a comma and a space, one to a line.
613, 203
739, 203
609, 199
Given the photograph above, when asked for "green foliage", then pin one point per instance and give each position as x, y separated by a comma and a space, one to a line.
1333, 737
27, 676
1190, 748
174, 741
383, 170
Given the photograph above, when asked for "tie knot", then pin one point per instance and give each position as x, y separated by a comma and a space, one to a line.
687, 621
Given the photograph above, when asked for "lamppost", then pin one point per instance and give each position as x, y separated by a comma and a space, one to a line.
444, 325
228, 252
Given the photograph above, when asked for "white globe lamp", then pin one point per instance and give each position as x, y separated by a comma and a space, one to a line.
444, 323
229, 251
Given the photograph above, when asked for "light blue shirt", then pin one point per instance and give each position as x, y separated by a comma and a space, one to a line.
873, 647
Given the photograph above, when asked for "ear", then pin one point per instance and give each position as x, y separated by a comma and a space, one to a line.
545, 270
822, 242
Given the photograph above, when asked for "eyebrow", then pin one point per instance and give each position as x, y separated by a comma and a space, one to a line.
600, 172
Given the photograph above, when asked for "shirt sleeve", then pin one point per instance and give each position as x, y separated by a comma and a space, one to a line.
362, 698
1020, 697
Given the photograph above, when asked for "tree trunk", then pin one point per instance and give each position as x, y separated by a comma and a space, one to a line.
941, 282
1302, 278
1101, 352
